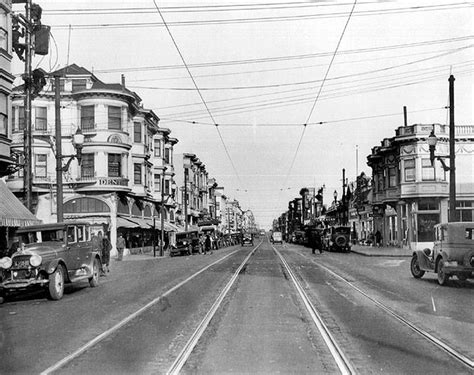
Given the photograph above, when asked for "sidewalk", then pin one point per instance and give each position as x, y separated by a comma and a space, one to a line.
381, 251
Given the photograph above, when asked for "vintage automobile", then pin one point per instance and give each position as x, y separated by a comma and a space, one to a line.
277, 237
337, 238
49, 256
452, 253
186, 244
247, 239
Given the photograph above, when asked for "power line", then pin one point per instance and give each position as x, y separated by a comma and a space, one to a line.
197, 88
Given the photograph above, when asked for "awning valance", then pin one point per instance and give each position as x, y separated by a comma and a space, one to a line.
12, 211
124, 223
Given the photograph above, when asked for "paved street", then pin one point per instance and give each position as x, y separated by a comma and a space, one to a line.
131, 323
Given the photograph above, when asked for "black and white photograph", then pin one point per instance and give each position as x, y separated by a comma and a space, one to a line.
236, 187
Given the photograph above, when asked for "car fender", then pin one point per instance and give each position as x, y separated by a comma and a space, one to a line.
424, 261
53, 265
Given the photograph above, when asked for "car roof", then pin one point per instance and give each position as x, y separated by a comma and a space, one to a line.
50, 226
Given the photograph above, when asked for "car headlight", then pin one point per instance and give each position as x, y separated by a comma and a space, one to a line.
6, 262
35, 260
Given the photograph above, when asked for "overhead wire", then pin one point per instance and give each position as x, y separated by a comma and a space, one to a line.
199, 92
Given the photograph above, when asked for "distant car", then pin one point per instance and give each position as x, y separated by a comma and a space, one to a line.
277, 237
452, 253
247, 239
186, 243
49, 256
337, 238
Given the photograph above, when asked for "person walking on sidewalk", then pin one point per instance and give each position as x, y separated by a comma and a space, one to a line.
378, 238
106, 247
207, 244
120, 247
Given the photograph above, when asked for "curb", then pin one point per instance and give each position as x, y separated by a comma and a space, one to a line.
382, 255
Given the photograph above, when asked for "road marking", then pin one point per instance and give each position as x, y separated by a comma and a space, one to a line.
433, 303
342, 362
107, 333
188, 348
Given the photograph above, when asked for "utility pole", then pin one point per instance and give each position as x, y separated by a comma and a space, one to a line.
185, 198
28, 170
452, 153
59, 165
162, 213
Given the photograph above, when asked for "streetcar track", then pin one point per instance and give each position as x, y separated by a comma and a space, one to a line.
426, 335
129, 318
342, 362
188, 348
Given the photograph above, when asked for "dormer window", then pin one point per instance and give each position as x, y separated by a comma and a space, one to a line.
79, 84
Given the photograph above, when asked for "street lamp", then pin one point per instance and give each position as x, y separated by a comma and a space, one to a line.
78, 143
335, 196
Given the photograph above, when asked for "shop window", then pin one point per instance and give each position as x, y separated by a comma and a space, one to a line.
79, 84
428, 205
137, 173
114, 165
85, 205
464, 211
41, 118
157, 148
115, 117
87, 117
426, 223
392, 177
137, 132
41, 165
427, 171
409, 170
88, 166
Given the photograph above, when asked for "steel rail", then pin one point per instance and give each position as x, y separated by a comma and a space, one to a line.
342, 362
193, 340
129, 318
442, 345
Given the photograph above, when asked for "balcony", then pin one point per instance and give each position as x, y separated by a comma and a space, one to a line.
424, 189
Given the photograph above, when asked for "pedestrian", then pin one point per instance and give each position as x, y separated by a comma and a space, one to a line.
106, 247
120, 247
378, 238
207, 244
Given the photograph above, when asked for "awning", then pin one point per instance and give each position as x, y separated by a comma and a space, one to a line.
12, 211
124, 223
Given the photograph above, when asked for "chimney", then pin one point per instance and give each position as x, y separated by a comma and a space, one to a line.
123, 80
405, 115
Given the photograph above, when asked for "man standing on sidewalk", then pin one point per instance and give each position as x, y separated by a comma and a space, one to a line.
120, 247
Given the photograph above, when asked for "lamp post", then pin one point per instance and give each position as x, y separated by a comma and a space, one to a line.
433, 140
162, 211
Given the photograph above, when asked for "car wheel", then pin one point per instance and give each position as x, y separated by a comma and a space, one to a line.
415, 268
443, 277
56, 284
94, 279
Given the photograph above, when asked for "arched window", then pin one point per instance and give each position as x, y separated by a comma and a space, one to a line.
85, 205
147, 211
122, 208
171, 215
136, 211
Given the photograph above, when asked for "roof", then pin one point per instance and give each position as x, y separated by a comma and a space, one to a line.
69, 70
12, 211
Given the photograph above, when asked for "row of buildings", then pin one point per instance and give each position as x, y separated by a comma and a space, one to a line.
122, 177
406, 194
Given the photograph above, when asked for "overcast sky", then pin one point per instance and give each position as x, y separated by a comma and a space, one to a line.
265, 68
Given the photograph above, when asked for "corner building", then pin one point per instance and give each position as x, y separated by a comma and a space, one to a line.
117, 184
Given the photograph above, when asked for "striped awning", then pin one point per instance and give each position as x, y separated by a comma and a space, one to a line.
12, 211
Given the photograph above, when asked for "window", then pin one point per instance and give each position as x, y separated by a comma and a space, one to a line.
137, 173
21, 118
41, 165
137, 132
71, 234
85, 205
14, 109
380, 181
79, 84
87, 166
428, 205
61, 85
426, 223
167, 186
115, 165
410, 170
167, 156
3, 39
428, 171
464, 210
157, 182
87, 117
392, 177
3, 123
41, 119
157, 148
115, 117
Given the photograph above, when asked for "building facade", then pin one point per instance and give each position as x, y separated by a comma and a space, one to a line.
116, 177
410, 195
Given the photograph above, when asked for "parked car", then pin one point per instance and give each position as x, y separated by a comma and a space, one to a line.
49, 256
277, 237
337, 238
186, 244
452, 253
247, 239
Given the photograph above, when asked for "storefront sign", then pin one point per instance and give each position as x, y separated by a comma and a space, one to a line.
113, 181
